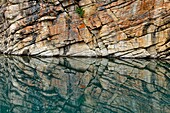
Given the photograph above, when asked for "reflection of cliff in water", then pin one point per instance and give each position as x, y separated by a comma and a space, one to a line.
83, 85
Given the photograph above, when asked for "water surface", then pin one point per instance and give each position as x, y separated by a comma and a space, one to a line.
83, 85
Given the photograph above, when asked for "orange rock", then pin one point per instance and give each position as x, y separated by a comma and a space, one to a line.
82, 26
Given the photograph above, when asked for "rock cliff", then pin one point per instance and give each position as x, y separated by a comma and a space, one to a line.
115, 28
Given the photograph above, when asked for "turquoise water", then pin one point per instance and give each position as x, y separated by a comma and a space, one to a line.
83, 85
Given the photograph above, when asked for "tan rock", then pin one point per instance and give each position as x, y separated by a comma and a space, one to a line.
145, 41
104, 31
140, 53
105, 17
85, 2
89, 10
85, 34
77, 48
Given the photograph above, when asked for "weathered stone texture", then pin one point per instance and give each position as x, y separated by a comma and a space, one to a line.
116, 28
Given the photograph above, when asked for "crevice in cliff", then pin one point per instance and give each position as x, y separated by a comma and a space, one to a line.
117, 5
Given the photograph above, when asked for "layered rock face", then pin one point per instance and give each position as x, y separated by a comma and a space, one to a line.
115, 28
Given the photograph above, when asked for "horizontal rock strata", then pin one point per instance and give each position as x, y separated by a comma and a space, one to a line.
115, 28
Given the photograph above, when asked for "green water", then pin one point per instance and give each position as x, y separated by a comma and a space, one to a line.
84, 85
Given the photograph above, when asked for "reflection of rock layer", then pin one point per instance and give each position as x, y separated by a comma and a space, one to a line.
119, 28
85, 85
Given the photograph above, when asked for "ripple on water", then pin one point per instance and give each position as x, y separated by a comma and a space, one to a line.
52, 85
